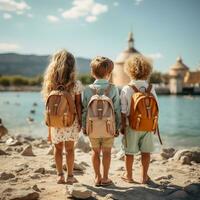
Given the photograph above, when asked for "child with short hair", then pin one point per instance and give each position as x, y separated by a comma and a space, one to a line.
138, 68
101, 68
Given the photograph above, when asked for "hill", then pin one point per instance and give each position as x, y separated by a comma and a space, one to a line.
32, 65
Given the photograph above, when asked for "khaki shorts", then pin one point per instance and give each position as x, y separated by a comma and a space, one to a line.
102, 142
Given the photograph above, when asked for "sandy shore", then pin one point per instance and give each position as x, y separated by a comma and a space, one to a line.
175, 174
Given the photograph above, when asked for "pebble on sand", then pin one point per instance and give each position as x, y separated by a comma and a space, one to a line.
27, 151
79, 191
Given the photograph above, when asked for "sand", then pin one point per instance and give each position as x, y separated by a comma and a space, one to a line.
171, 179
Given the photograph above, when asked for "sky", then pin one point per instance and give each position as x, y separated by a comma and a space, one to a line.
162, 29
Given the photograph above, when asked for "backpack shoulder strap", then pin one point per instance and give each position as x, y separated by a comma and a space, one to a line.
107, 90
134, 88
149, 88
94, 89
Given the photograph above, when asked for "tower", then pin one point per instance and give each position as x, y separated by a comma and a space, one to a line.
119, 77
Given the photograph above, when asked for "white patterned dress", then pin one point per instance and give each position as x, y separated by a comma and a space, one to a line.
69, 133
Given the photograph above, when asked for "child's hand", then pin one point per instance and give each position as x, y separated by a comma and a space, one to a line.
116, 134
84, 131
123, 131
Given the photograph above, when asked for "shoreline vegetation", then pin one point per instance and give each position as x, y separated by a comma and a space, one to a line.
175, 174
33, 84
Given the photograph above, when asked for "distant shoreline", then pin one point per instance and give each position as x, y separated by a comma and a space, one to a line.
38, 89
20, 89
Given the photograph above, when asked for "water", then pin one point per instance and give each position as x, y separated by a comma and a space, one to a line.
179, 117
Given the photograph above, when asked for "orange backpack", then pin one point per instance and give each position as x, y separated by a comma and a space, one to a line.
60, 109
144, 111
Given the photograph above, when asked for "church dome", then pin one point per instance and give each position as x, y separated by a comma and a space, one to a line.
119, 77
179, 68
124, 55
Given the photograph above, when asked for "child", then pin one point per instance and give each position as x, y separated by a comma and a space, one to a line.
138, 69
61, 71
101, 69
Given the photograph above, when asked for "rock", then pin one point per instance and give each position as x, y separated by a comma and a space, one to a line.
110, 197
40, 170
35, 187
79, 167
84, 164
193, 154
120, 168
164, 177
27, 151
83, 144
35, 176
79, 191
19, 149
21, 195
40, 143
30, 119
9, 149
167, 153
185, 160
13, 142
50, 171
54, 165
50, 150
32, 111
180, 194
29, 138
35, 104
6, 176
3, 153
193, 188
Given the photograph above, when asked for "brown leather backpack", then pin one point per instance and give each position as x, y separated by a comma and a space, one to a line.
144, 111
60, 109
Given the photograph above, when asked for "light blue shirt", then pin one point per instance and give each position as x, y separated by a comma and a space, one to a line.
101, 85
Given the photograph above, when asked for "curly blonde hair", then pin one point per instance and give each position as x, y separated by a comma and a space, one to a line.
138, 67
60, 71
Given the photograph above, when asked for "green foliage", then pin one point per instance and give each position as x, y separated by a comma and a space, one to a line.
86, 79
4, 81
20, 81
156, 77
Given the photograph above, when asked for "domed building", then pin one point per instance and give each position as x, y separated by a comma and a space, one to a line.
119, 77
177, 73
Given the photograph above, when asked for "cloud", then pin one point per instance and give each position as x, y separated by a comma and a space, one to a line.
29, 15
52, 19
90, 18
7, 16
138, 2
116, 3
14, 6
155, 56
87, 9
9, 47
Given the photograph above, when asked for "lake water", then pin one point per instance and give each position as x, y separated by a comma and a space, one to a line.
179, 117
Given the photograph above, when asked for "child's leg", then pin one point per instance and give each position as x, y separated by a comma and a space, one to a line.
106, 163
58, 160
69, 148
96, 164
129, 166
145, 166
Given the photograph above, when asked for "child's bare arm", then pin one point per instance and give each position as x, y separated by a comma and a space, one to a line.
123, 123
78, 108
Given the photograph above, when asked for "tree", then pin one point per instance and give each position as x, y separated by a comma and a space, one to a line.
156, 77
